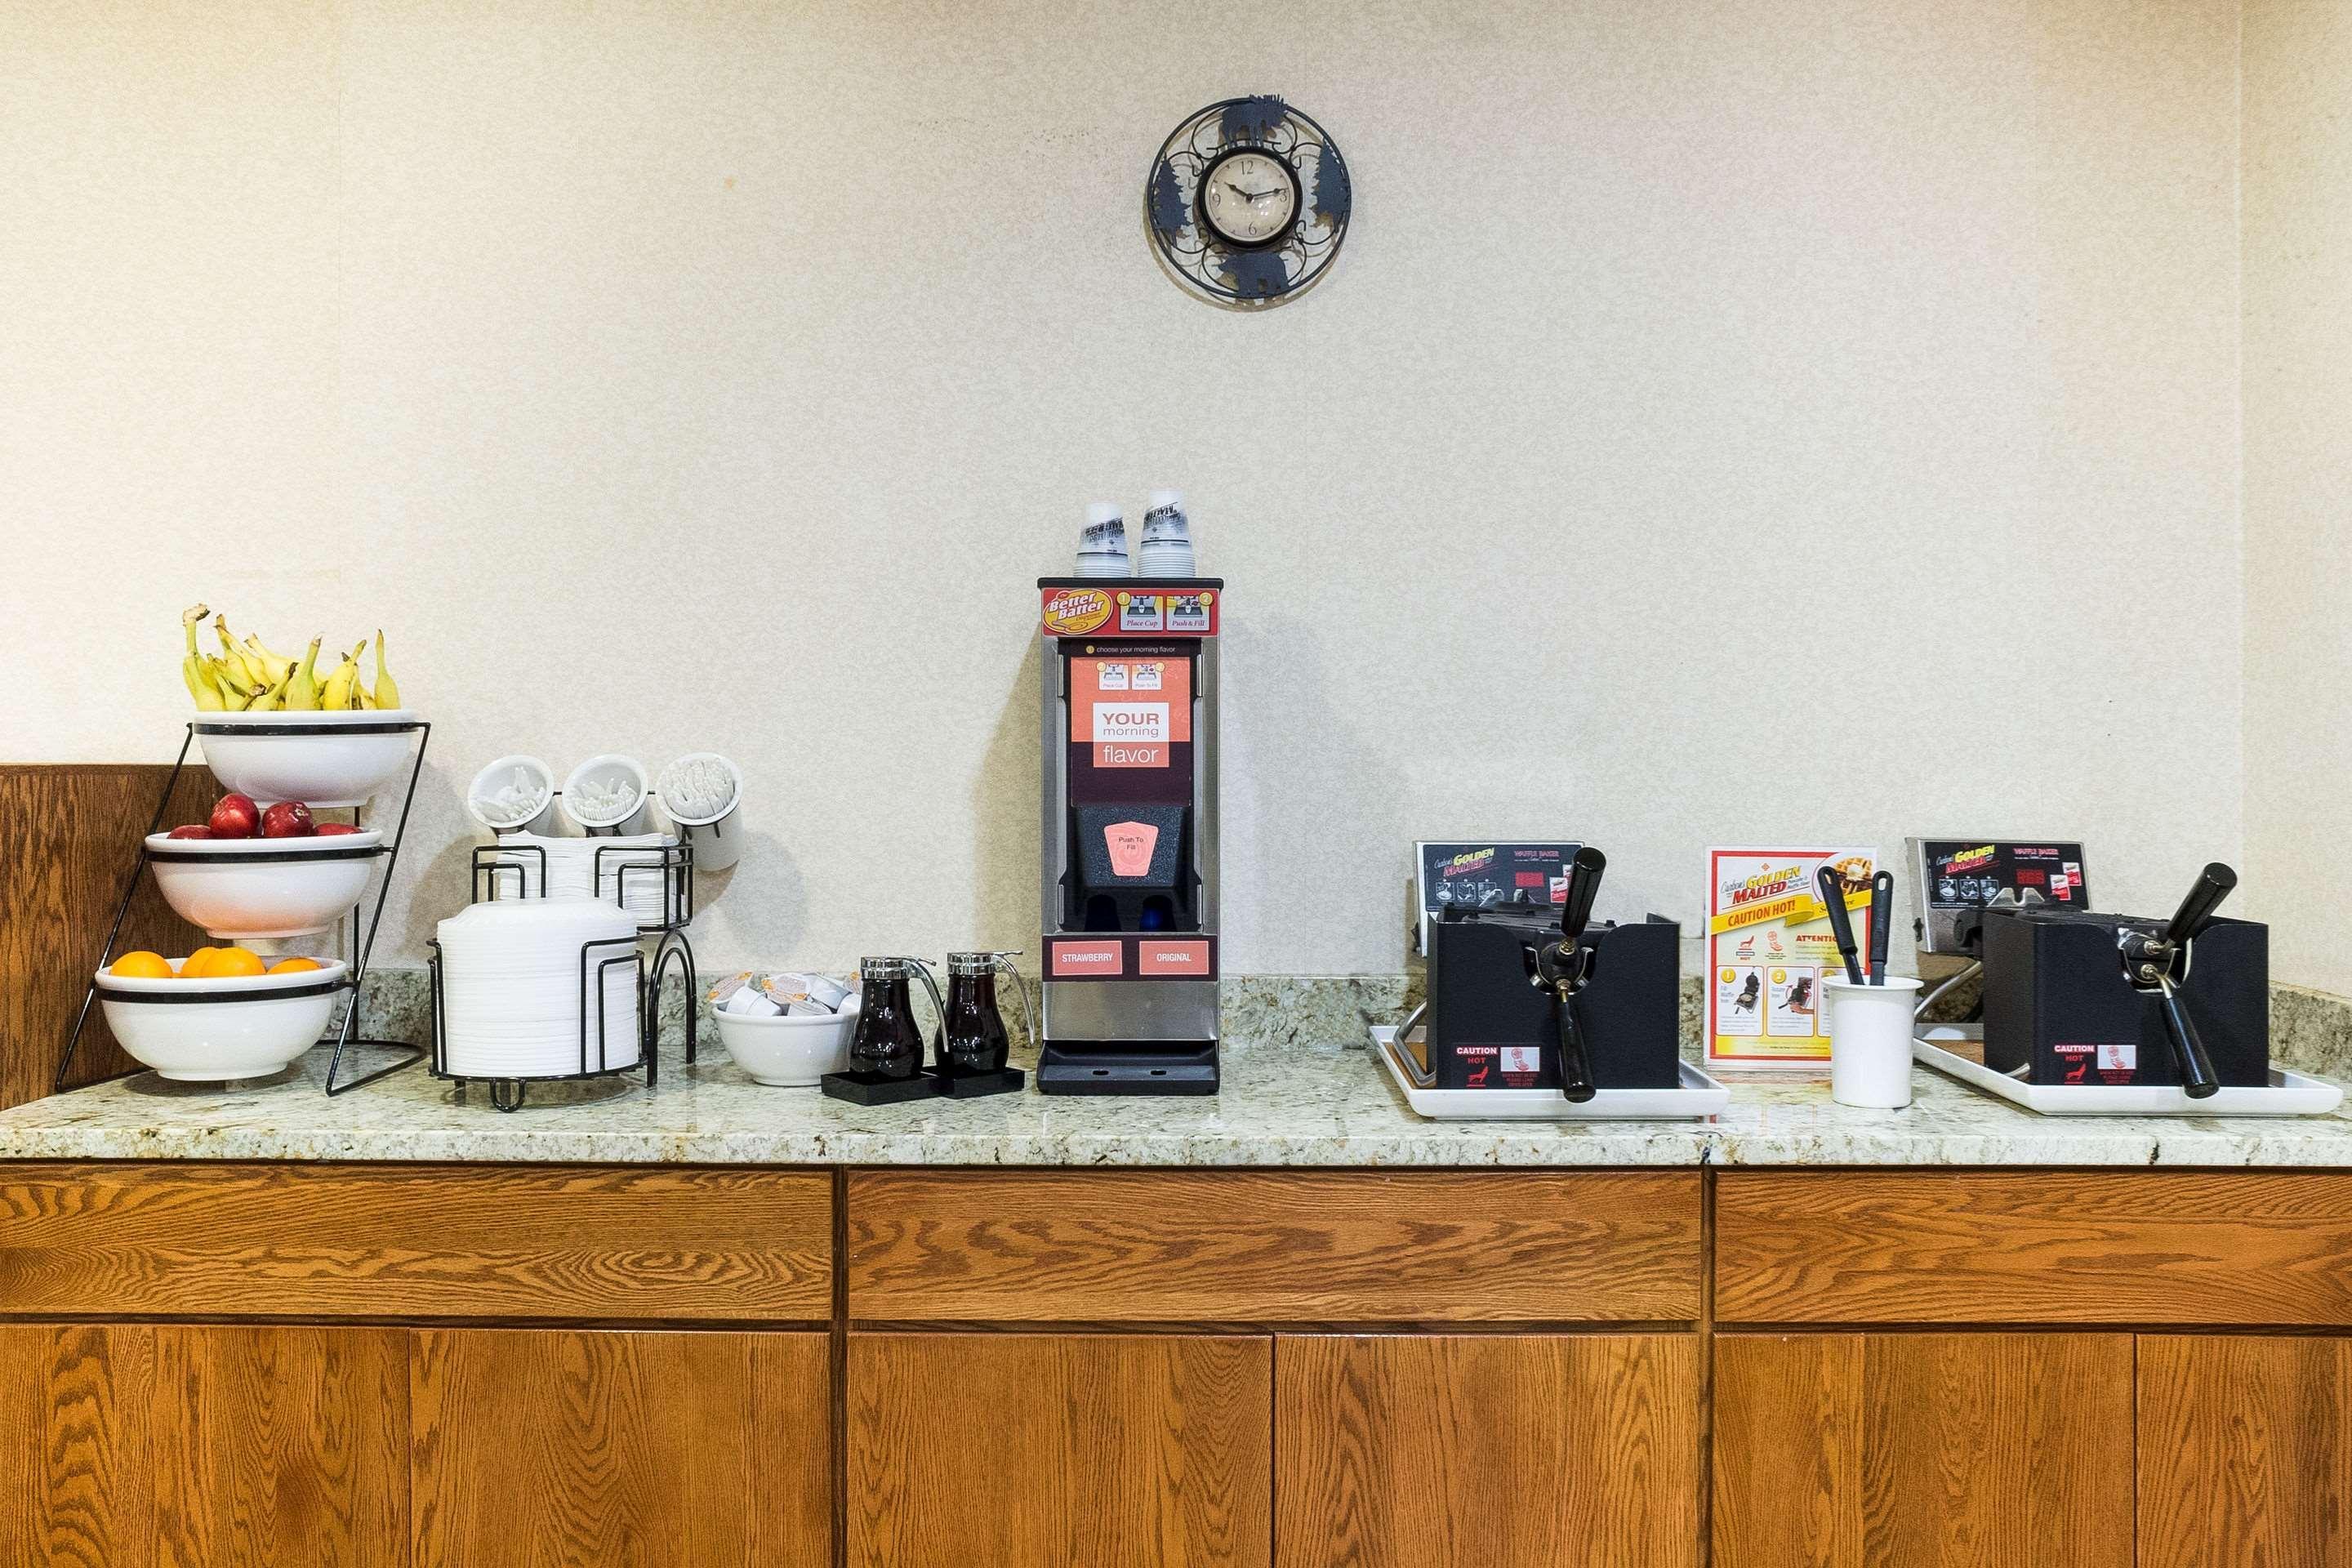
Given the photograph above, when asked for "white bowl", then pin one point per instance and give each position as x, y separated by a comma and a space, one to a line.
264, 887
790, 1052
609, 769
208, 1031
318, 758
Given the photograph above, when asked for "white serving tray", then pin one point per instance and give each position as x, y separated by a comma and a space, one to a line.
1698, 1096
2287, 1093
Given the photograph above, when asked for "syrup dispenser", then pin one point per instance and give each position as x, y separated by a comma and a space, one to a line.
886, 1053
973, 1045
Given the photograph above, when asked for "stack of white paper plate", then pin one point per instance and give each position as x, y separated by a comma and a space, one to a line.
513, 998
626, 871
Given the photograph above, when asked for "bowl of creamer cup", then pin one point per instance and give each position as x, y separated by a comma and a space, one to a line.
702, 795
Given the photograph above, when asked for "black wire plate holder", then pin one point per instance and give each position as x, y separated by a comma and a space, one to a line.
671, 953
508, 1094
672, 866
344, 1034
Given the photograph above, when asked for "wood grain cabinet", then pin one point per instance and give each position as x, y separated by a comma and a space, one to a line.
123, 1445
1914, 1450
2245, 1452
1486, 1451
551, 1448
1053, 1450
187, 1446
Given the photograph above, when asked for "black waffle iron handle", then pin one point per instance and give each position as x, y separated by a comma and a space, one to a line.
2197, 1077
1564, 971
2154, 961
2214, 883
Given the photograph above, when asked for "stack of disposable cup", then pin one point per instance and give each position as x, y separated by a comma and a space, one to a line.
1102, 549
1167, 549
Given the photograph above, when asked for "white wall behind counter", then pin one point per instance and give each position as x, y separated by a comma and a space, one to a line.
1782, 418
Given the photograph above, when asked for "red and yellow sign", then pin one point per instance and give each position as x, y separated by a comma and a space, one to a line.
1075, 612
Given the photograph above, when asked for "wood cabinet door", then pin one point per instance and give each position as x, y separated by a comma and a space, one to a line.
1051, 1450
2245, 1452
551, 1448
1910, 1450
1486, 1450
201, 1446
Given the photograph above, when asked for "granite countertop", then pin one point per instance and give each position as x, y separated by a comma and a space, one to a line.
1293, 1102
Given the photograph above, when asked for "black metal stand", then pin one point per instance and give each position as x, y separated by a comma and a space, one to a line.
671, 953
346, 1034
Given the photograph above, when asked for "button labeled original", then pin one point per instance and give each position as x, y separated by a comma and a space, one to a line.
1172, 958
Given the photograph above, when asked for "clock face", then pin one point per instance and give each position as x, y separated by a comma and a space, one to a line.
1249, 198
1247, 202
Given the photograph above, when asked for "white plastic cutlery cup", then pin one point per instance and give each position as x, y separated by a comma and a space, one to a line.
1869, 1041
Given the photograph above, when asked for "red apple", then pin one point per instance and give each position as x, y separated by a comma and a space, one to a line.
235, 816
191, 830
287, 820
336, 829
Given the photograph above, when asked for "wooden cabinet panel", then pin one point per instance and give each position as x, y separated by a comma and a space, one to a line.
1508, 1451
2245, 1452
1058, 1451
202, 1446
1273, 1245
1923, 1451
475, 1241
63, 871
544, 1448
2033, 1247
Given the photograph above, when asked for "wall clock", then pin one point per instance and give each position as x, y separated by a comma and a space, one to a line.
1247, 202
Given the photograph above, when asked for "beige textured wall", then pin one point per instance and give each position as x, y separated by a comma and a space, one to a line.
1798, 418
2298, 487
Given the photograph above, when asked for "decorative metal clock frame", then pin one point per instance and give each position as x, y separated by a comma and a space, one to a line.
1288, 262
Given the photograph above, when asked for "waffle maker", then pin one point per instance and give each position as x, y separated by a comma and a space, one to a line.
2072, 996
1529, 995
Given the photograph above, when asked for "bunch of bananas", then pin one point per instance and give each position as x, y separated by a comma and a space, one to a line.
244, 677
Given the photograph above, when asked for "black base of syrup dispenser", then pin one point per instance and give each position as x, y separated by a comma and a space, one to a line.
978, 1083
880, 1088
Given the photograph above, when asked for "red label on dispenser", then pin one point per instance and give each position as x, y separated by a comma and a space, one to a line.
1088, 960
1172, 958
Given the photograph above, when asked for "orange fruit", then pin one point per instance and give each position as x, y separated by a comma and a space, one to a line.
295, 965
193, 966
235, 964
141, 965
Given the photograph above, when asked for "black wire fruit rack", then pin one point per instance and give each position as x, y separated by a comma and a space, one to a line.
345, 1033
